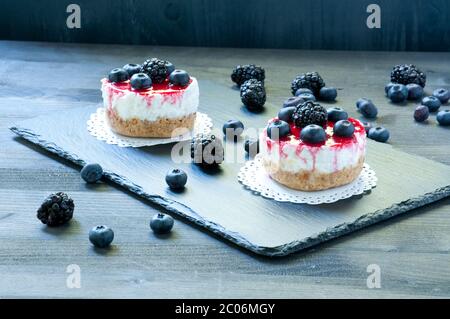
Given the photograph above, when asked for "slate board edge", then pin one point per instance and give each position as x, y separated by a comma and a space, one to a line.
279, 251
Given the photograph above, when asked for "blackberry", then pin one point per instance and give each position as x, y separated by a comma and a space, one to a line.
156, 69
407, 74
253, 94
57, 209
310, 80
207, 150
309, 113
242, 73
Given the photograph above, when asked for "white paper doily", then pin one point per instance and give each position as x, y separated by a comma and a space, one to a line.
255, 178
99, 128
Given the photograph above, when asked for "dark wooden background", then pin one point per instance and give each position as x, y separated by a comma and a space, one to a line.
414, 25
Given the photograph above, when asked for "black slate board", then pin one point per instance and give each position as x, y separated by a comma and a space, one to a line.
220, 204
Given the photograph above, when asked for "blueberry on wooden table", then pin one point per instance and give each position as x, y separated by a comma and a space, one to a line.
251, 147
232, 129
388, 87
328, 94
307, 97
379, 134
293, 101
91, 173
443, 118
398, 93
415, 91
161, 223
432, 102
442, 94
421, 113
101, 236
300, 91
176, 178
367, 109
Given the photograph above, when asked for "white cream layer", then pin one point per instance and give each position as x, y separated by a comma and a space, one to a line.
129, 105
324, 159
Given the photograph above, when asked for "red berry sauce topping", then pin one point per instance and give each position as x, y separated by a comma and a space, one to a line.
332, 140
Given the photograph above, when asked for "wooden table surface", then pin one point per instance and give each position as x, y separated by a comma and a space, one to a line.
413, 252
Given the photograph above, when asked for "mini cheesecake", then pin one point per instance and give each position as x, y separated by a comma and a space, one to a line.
305, 166
156, 111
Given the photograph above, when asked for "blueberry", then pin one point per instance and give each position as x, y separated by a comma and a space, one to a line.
361, 101
300, 91
313, 134
368, 109
421, 113
343, 128
101, 236
293, 101
161, 223
443, 118
415, 91
170, 67
379, 134
336, 114
328, 94
442, 94
251, 147
179, 77
388, 87
398, 93
278, 129
432, 102
367, 126
132, 68
232, 129
176, 178
118, 75
285, 114
91, 173
140, 81
307, 97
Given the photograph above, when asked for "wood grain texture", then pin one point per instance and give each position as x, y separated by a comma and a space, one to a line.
413, 251
291, 24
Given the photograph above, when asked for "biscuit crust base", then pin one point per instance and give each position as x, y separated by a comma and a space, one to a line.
162, 127
311, 180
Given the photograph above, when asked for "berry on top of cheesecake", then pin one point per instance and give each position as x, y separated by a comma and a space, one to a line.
150, 100
311, 148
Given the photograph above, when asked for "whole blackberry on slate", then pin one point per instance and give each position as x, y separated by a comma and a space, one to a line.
310, 113
242, 73
407, 74
253, 94
207, 150
310, 80
57, 209
156, 69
